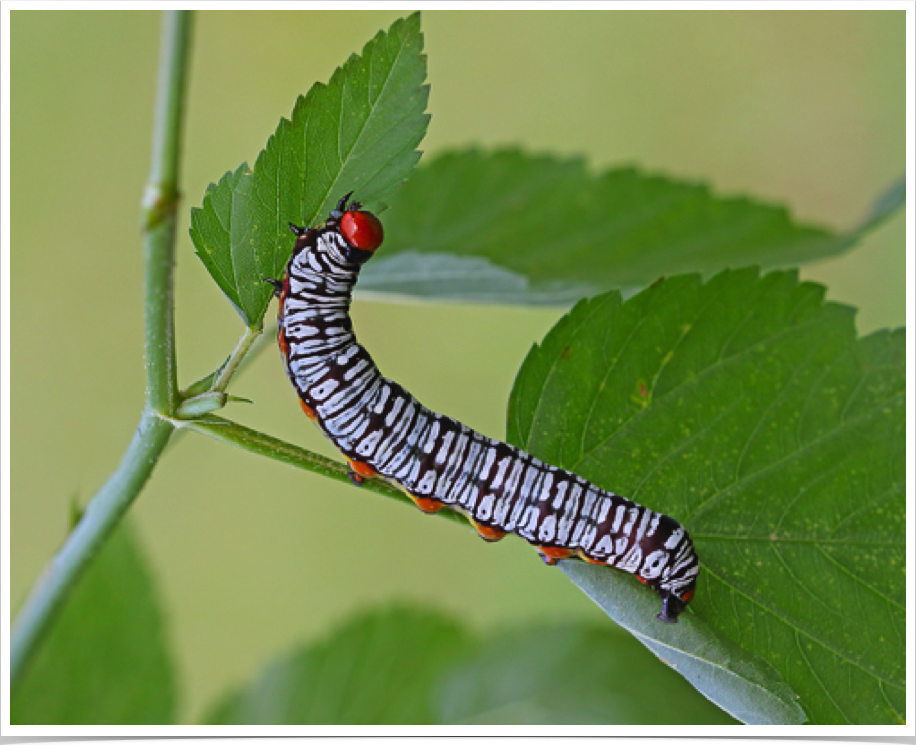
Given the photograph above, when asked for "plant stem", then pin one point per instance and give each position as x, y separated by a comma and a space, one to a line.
101, 516
160, 205
109, 505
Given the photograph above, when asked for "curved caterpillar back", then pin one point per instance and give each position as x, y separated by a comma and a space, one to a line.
439, 462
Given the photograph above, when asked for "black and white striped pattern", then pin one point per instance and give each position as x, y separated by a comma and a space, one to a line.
440, 462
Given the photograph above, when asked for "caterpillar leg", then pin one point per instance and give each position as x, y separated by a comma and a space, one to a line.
359, 472
429, 506
550, 555
489, 534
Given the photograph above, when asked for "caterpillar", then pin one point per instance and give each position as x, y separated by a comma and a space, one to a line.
383, 431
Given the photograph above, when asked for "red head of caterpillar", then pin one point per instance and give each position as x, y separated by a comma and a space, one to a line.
362, 230
383, 431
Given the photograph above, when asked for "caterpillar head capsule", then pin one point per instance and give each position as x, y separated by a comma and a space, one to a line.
361, 229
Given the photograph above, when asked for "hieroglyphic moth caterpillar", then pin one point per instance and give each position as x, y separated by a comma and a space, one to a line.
383, 431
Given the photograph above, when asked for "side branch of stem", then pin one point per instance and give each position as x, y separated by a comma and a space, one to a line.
241, 350
259, 443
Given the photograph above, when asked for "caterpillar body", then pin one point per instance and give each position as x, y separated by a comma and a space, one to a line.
383, 431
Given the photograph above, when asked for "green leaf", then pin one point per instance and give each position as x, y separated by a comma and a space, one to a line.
357, 133
536, 229
210, 232
746, 408
105, 660
569, 674
377, 669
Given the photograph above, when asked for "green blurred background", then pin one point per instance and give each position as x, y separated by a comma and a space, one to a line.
803, 108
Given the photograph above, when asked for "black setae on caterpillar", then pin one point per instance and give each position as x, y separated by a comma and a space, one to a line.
385, 432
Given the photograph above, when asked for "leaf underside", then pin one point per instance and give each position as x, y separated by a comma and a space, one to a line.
506, 226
